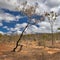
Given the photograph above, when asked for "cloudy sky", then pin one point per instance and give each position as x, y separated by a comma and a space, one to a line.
13, 21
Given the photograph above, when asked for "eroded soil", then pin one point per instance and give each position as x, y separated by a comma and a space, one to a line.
29, 52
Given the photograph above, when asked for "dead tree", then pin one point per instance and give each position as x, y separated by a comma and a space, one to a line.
28, 12
19, 40
51, 18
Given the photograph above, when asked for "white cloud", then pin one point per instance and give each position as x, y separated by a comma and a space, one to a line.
2, 32
52, 3
17, 28
21, 25
43, 5
56, 9
9, 4
18, 32
12, 4
44, 28
7, 17
1, 24
6, 27
31, 29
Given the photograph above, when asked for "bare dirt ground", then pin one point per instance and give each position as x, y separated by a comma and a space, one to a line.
29, 52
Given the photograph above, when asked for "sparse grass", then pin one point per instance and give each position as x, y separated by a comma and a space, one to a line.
33, 47
30, 51
35, 37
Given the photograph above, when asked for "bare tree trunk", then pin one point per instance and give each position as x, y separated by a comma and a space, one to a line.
19, 40
52, 34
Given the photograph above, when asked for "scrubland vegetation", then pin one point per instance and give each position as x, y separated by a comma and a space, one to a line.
35, 47
30, 37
